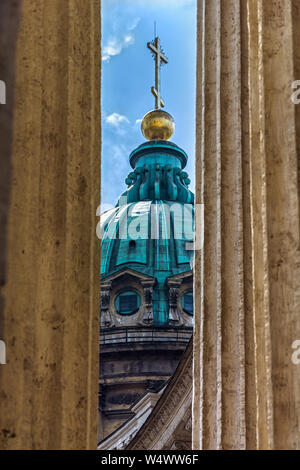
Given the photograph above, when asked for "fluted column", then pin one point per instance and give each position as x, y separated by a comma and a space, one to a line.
246, 387
50, 320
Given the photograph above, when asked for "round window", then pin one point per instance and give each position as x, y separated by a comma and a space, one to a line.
187, 302
127, 302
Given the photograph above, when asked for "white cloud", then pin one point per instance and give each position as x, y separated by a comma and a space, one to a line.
116, 119
113, 47
128, 40
120, 39
138, 121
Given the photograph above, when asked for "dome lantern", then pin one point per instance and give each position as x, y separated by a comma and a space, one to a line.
157, 124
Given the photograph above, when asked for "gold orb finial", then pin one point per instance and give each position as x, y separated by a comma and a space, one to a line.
158, 125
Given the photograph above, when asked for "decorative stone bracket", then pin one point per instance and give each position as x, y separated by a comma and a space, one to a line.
106, 317
174, 287
148, 296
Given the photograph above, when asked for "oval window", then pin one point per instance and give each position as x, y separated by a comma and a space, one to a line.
127, 302
187, 302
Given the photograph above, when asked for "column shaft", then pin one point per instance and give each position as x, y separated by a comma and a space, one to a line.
246, 393
49, 386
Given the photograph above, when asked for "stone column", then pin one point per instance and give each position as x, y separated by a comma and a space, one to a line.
50, 319
246, 387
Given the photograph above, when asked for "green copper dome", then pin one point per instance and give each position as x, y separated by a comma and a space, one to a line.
151, 228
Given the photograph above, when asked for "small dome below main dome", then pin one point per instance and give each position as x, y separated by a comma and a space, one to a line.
158, 125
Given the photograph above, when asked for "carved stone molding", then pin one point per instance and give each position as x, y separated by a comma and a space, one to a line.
173, 310
181, 445
174, 291
111, 285
106, 317
148, 299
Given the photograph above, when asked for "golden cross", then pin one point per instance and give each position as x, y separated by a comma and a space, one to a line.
159, 58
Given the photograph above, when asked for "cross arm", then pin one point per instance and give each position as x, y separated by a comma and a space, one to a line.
157, 52
152, 47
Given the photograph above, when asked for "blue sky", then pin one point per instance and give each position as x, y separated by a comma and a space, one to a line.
128, 74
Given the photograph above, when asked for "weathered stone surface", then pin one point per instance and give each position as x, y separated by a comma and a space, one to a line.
9, 21
170, 419
246, 388
49, 386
